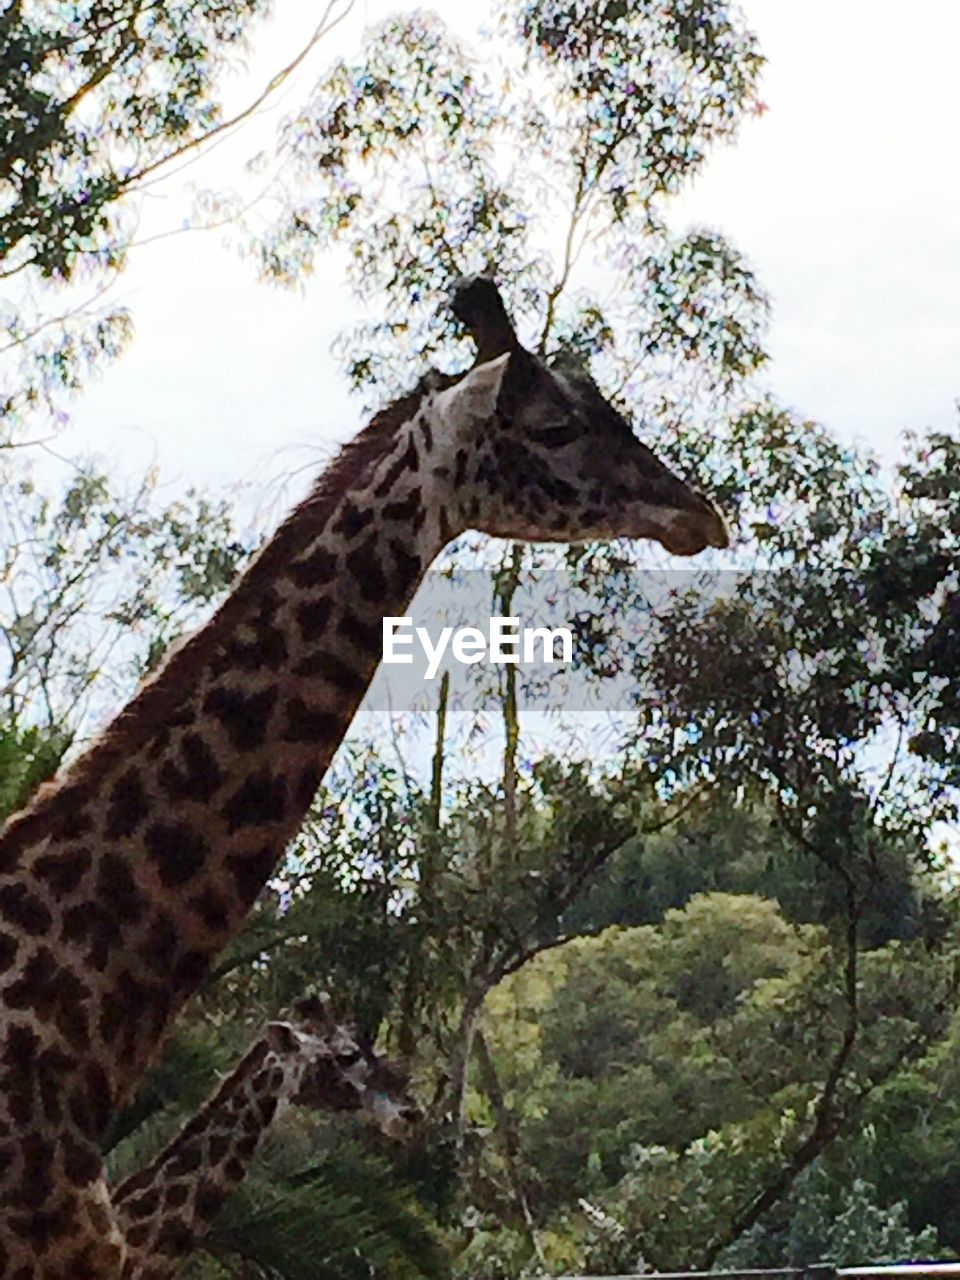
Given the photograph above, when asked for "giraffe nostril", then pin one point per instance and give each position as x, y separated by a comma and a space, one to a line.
688, 536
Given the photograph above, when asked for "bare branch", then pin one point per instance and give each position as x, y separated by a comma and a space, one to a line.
323, 28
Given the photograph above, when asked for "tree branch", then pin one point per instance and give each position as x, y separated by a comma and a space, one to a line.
507, 1130
323, 28
828, 1118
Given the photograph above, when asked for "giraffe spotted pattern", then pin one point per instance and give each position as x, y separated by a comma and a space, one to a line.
166, 1208
133, 869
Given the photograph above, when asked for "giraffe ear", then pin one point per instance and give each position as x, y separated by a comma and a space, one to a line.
475, 396
523, 379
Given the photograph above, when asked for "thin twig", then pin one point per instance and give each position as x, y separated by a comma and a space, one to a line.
325, 26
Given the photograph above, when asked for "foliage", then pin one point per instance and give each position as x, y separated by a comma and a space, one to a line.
689, 1085
93, 97
837, 1213
737, 845
340, 1210
915, 1119
659, 1073
97, 98
27, 758
426, 165
95, 584
918, 566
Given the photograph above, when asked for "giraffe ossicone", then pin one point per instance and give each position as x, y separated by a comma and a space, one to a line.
133, 868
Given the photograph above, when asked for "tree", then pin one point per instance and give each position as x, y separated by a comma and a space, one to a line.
733, 843
838, 1213
770, 698
97, 583
654, 1071
765, 703
913, 569
915, 1122
426, 166
812, 682
96, 100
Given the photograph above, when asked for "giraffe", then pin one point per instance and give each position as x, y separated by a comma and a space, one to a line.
136, 865
165, 1209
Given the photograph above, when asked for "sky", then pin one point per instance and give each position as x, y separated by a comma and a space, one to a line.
843, 195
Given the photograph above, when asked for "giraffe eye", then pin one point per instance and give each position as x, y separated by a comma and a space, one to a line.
556, 437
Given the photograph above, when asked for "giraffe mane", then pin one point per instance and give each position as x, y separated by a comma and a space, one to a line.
156, 700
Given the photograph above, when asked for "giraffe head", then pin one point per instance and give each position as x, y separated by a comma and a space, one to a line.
345, 1074
542, 456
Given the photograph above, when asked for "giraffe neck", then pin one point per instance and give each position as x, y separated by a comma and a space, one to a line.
133, 871
166, 1208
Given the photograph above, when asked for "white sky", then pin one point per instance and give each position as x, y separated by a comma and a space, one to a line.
844, 195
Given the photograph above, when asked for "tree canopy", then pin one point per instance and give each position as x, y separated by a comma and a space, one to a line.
97, 100
691, 1000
